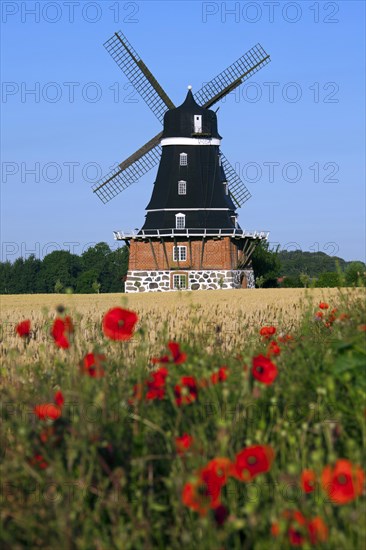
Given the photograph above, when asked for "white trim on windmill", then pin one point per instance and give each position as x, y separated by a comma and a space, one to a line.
189, 141
187, 209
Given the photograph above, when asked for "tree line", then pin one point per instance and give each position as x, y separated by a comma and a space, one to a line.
99, 269
297, 269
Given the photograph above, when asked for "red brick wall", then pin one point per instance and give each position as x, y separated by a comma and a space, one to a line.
218, 254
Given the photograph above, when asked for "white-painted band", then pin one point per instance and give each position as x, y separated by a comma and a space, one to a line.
189, 141
185, 209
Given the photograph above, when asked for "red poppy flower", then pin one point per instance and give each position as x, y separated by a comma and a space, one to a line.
38, 461
317, 529
215, 475
297, 530
203, 383
307, 480
220, 375
119, 324
196, 497
183, 443
275, 529
295, 536
187, 391
221, 514
323, 305
61, 330
264, 370
23, 328
92, 365
301, 530
344, 482
156, 384
177, 356
46, 434
59, 398
47, 410
251, 462
361, 328
285, 338
319, 314
267, 332
273, 349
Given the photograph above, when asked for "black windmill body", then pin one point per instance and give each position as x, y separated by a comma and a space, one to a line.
196, 191
190, 183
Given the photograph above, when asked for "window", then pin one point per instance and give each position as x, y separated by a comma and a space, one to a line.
182, 187
198, 124
220, 162
180, 253
183, 159
226, 188
235, 221
180, 221
179, 281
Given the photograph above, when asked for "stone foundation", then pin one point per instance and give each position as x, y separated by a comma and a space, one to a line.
163, 281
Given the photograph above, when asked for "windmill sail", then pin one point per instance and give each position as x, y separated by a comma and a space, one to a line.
148, 156
243, 68
238, 191
138, 74
129, 171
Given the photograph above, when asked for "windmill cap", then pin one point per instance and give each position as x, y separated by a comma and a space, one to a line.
180, 121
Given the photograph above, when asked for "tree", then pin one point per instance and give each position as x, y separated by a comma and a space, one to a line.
95, 257
96, 287
117, 270
30, 274
355, 274
58, 286
109, 267
313, 264
292, 282
329, 280
266, 265
59, 265
85, 282
6, 281
304, 279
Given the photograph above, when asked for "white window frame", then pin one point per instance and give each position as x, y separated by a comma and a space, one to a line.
226, 187
180, 221
179, 253
220, 161
183, 159
182, 187
197, 121
177, 281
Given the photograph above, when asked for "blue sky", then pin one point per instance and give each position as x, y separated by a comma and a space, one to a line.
295, 131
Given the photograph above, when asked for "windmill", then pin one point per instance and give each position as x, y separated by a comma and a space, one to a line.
191, 238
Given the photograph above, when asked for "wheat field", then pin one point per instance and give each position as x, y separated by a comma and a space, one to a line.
249, 301
217, 318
